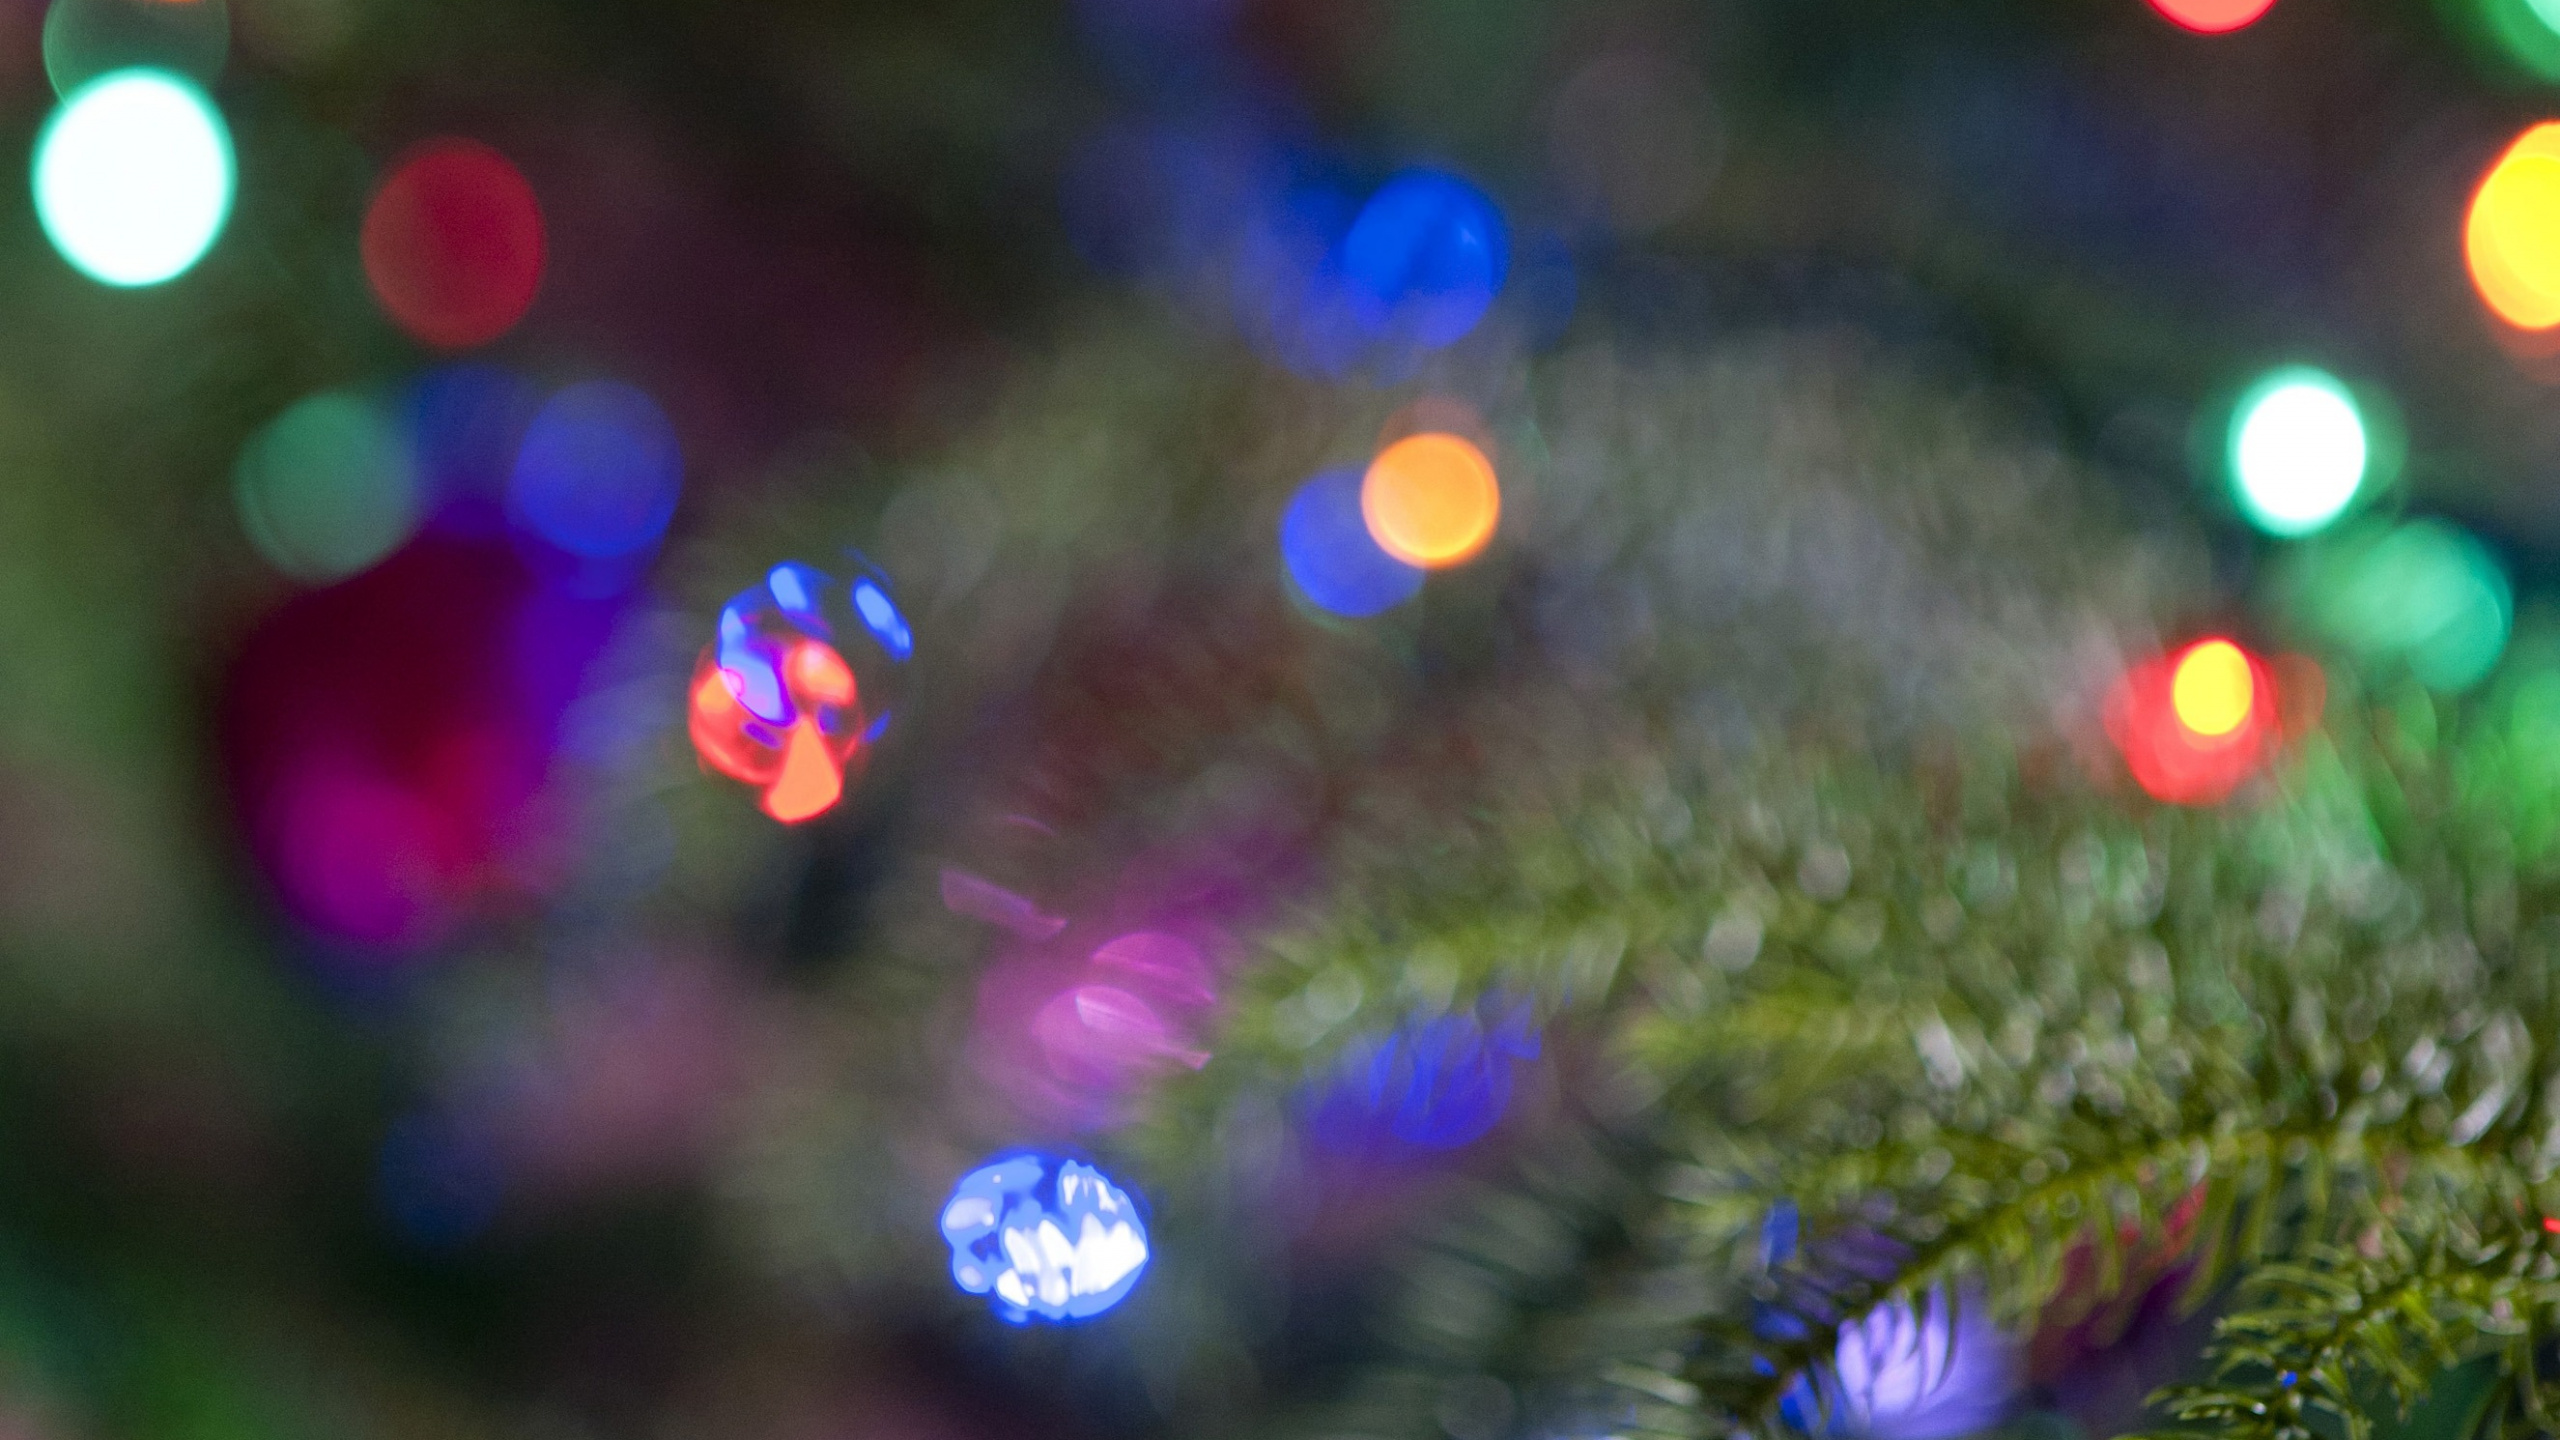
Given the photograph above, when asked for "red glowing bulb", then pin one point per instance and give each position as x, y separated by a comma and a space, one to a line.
798, 759
2193, 726
2214, 689
2211, 17
453, 244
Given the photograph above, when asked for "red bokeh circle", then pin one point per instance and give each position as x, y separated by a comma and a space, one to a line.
2211, 17
453, 244
2174, 763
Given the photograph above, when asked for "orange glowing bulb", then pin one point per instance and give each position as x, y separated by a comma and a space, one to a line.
2512, 238
2211, 17
810, 781
1431, 500
2214, 689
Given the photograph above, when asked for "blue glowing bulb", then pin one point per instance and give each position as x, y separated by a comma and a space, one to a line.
1428, 254
1043, 1239
1331, 557
598, 473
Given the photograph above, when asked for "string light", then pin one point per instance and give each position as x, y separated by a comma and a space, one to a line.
453, 244
1431, 500
797, 687
1331, 557
2194, 726
1044, 1239
327, 488
2212, 17
2299, 451
133, 177
599, 471
1424, 259
2511, 240
2213, 692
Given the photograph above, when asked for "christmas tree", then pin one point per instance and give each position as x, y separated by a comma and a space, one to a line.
1252, 717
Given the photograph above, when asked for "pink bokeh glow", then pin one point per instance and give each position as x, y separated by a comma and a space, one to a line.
1076, 1038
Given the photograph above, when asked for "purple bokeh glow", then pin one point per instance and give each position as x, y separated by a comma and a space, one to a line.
1934, 1371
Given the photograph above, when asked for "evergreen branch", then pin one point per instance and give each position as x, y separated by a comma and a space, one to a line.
2343, 1324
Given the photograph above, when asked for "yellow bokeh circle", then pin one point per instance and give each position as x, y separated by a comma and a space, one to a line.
2214, 689
2512, 238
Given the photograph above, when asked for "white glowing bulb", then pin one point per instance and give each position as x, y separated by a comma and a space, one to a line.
2298, 452
133, 177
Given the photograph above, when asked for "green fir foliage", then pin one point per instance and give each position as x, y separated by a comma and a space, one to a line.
2000, 1029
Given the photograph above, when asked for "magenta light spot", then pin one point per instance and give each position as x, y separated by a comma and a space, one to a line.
388, 741
1166, 966
356, 858
981, 899
1104, 1036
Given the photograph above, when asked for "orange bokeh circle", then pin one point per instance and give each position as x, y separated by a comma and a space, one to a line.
1431, 500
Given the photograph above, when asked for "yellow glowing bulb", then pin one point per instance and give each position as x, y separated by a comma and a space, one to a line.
2512, 238
2213, 690
1431, 500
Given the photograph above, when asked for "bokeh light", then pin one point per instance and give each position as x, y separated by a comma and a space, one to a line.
1431, 500
327, 488
133, 177
2511, 240
386, 739
1133, 1018
799, 683
1330, 555
2213, 689
598, 473
84, 39
2426, 594
2194, 726
453, 244
1438, 1083
1047, 1239
1078, 1034
1931, 1371
1106, 1037
1425, 258
2524, 31
2211, 17
1330, 285
2299, 451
